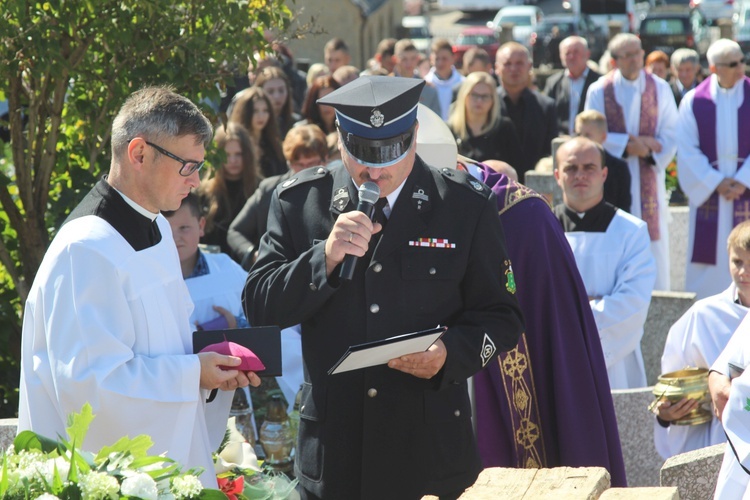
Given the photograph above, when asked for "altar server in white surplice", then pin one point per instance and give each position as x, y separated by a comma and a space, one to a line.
696, 340
107, 318
713, 165
611, 248
641, 119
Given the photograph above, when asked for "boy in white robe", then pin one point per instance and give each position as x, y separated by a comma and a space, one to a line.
106, 321
696, 340
612, 251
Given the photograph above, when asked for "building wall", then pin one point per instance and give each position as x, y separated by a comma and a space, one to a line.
342, 18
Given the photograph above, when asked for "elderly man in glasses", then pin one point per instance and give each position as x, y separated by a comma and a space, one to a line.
107, 318
641, 119
714, 144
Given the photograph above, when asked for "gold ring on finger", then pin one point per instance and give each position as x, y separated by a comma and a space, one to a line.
351, 235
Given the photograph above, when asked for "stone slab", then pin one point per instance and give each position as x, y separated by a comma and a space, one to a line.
559, 483
694, 473
678, 247
665, 309
8, 430
656, 493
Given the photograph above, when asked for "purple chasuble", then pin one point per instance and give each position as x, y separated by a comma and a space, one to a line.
546, 403
707, 217
646, 126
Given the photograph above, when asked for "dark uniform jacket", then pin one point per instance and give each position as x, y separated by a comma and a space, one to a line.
377, 432
557, 87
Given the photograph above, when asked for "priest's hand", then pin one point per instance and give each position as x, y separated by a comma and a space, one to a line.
215, 377
651, 143
422, 364
719, 385
636, 147
669, 412
350, 236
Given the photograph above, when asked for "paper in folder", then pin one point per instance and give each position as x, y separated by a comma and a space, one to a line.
379, 352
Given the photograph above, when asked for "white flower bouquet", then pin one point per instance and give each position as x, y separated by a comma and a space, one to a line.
38, 467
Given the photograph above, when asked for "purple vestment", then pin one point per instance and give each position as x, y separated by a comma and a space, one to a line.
547, 403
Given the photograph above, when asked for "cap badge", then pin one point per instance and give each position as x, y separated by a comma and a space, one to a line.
488, 350
376, 118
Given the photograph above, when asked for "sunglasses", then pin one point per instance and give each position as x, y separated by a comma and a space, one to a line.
188, 166
732, 64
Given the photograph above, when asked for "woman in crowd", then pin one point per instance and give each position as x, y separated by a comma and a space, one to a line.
481, 133
657, 63
275, 84
322, 116
224, 194
253, 110
304, 147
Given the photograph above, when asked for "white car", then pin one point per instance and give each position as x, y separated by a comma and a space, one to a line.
524, 18
718, 9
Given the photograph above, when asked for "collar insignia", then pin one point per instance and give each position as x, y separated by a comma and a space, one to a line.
476, 185
420, 199
340, 198
488, 350
377, 119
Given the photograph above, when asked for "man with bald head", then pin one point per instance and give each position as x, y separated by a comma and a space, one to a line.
641, 123
568, 88
714, 144
532, 113
611, 249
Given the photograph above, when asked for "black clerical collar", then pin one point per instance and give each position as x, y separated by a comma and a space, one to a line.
594, 220
105, 202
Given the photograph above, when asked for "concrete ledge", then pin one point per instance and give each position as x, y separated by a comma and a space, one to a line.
694, 473
8, 431
665, 309
669, 493
559, 483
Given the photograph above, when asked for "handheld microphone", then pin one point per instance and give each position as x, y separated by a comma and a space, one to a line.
369, 192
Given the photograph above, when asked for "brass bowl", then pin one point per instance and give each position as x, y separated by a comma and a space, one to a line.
691, 383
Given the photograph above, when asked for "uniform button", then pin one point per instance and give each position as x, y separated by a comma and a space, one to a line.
432, 270
457, 413
313, 287
302, 408
372, 392
374, 308
377, 267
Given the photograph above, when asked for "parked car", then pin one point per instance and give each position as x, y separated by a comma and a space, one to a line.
669, 28
524, 18
475, 36
416, 28
545, 40
718, 9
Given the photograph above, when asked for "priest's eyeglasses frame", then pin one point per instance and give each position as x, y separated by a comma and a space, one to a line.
188, 166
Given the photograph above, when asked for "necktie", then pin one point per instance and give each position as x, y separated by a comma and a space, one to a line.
379, 215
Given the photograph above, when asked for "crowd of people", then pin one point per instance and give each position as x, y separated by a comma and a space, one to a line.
279, 216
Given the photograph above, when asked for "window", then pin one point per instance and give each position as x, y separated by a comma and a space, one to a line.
604, 6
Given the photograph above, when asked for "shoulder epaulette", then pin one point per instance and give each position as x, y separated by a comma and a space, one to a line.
306, 175
467, 180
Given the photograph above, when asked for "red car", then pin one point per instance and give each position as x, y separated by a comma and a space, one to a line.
476, 36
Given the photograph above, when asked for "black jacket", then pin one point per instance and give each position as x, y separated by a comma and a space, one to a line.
379, 433
539, 128
558, 89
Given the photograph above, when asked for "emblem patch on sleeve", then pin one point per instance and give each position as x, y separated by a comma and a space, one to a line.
488, 350
510, 280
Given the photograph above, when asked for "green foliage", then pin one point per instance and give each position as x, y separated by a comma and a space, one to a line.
65, 67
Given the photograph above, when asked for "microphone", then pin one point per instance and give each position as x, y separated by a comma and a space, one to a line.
369, 192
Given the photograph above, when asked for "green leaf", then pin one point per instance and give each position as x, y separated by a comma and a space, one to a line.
207, 494
4, 480
747, 404
30, 440
78, 424
138, 447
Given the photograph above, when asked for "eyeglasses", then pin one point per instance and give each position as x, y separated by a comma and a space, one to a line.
732, 64
188, 166
480, 97
629, 55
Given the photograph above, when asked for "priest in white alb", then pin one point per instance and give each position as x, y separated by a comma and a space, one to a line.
107, 317
713, 166
696, 340
641, 122
613, 255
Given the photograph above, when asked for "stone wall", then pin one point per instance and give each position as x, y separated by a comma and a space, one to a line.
695, 472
